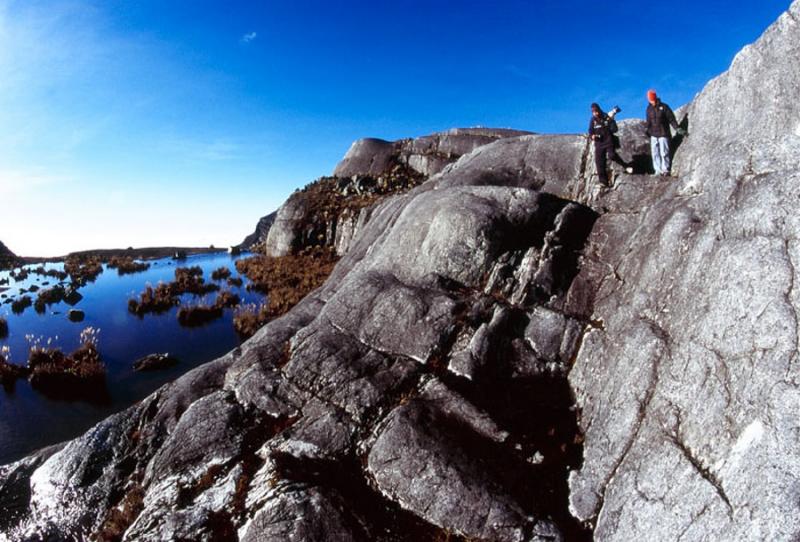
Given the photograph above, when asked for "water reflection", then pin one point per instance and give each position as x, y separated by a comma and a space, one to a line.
29, 420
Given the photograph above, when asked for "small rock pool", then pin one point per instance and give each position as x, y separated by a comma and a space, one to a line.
29, 420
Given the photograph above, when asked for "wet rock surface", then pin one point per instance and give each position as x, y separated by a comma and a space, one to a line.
505, 352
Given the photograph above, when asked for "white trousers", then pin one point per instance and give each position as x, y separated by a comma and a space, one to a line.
659, 148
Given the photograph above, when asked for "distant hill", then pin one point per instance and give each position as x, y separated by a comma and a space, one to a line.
7, 258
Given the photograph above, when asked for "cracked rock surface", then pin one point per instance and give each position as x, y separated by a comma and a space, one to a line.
688, 385
505, 352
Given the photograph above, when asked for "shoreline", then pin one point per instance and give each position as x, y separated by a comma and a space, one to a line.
145, 253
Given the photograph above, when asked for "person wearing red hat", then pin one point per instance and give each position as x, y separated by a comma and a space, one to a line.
659, 118
602, 128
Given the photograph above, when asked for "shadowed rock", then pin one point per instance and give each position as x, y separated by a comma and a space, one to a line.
154, 362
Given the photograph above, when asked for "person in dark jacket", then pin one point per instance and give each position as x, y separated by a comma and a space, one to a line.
659, 118
602, 128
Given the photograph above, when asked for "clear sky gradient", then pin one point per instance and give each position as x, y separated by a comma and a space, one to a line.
182, 122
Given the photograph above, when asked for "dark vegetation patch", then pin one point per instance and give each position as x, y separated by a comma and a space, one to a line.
49, 296
19, 274
153, 300
126, 265
226, 299
221, 273
18, 306
199, 314
75, 315
53, 273
167, 295
328, 200
235, 281
189, 280
79, 375
3, 328
285, 279
83, 269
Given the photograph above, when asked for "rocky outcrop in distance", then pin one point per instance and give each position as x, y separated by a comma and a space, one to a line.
259, 236
331, 211
505, 352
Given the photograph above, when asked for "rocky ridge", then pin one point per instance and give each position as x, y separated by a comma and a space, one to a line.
332, 210
504, 352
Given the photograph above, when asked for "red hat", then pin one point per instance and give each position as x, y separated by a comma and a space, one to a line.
651, 95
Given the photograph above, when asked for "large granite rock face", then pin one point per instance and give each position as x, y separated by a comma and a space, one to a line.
688, 384
505, 352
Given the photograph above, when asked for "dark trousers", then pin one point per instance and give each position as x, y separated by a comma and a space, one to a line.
601, 157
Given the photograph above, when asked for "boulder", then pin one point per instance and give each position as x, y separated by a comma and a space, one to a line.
75, 315
154, 362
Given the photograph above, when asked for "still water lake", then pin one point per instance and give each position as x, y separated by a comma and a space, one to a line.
29, 420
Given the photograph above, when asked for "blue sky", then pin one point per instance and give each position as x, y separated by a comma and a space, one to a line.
182, 122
